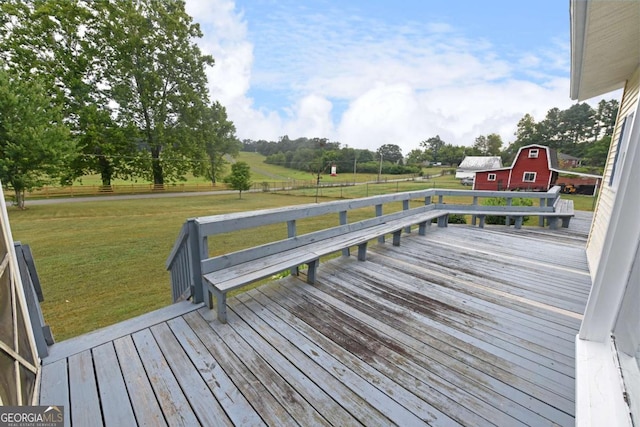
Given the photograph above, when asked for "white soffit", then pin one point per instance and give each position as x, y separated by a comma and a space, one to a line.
605, 45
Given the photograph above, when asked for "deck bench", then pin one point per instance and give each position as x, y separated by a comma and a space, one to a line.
225, 273
563, 212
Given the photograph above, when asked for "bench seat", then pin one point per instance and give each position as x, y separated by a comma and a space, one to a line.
563, 212
224, 280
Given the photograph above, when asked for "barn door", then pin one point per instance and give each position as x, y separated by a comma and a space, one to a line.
19, 363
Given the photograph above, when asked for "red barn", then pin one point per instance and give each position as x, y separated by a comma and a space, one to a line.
535, 168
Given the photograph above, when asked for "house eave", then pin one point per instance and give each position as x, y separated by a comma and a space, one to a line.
603, 52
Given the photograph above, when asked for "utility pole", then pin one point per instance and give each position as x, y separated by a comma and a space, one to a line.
380, 170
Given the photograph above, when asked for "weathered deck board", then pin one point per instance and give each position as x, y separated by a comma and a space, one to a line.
272, 411
358, 329
116, 406
469, 342
174, 404
145, 405
83, 390
235, 404
55, 386
463, 326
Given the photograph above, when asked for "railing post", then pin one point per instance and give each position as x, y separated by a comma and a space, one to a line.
198, 251
292, 232
343, 221
405, 207
541, 218
379, 213
473, 217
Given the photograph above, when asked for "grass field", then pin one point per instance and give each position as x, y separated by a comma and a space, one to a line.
261, 171
101, 262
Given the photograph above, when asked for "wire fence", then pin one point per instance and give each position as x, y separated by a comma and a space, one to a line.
312, 187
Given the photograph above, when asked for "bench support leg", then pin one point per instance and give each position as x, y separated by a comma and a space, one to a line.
396, 237
553, 222
362, 251
481, 224
312, 270
346, 252
422, 228
209, 297
518, 222
443, 220
295, 271
221, 305
565, 222
474, 219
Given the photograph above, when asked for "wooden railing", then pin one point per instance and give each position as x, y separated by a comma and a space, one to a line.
191, 247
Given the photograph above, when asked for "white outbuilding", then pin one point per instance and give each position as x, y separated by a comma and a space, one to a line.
471, 164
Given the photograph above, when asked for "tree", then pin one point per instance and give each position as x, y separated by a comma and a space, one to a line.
433, 146
156, 75
61, 42
488, 145
390, 153
605, 118
450, 154
550, 130
240, 177
34, 144
578, 125
527, 133
596, 153
219, 137
416, 157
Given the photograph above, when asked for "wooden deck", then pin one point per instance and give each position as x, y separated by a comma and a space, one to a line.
463, 326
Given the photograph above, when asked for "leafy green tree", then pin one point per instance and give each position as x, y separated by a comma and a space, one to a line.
240, 177
390, 153
550, 131
416, 157
59, 40
597, 152
527, 133
156, 75
34, 143
489, 145
605, 118
451, 154
219, 136
578, 125
432, 146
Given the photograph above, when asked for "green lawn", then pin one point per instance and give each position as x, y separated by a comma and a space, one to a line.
261, 171
102, 262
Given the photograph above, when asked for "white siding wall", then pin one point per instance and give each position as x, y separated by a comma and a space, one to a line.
607, 195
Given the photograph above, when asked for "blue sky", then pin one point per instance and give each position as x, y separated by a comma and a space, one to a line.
367, 73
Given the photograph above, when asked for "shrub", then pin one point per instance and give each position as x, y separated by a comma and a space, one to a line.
502, 201
453, 219
457, 219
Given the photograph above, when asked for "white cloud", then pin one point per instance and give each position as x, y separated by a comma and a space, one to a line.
366, 83
311, 117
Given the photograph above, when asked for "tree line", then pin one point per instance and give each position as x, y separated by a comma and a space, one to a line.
318, 155
115, 88
578, 131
